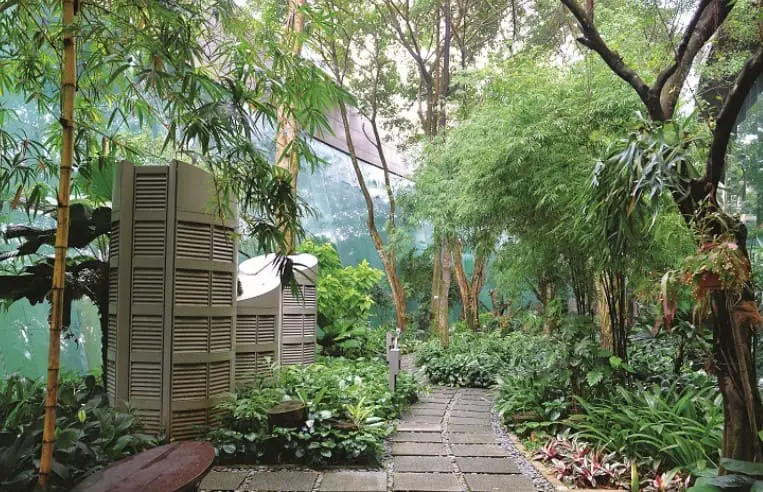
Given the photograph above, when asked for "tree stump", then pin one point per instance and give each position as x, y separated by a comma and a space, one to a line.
289, 414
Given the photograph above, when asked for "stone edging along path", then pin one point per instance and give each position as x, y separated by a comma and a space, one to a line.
448, 441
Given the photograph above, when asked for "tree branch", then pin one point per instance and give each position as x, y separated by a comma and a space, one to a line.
592, 39
727, 117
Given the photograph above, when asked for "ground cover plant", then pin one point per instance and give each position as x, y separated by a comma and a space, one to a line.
349, 406
90, 434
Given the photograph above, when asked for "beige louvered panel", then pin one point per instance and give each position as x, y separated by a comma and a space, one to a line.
193, 241
150, 191
291, 354
223, 244
192, 288
187, 424
191, 334
189, 381
219, 378
308, 353
216, 416
221, 333
290, 299
146, 333
149, 239
264, 361
309, 325
111, 330
291, 326
311, 296
222, 288
266, 329
113, 283
111, 380
114, 240
246, 367
246, 329
145, 380
147, 285
149, 418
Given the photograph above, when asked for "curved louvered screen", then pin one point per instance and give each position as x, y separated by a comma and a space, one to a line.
173, 330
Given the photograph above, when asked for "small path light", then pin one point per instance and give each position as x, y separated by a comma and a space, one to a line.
393, 357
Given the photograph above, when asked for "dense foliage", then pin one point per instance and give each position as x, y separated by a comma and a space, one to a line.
349, 404
344, 303
90, 434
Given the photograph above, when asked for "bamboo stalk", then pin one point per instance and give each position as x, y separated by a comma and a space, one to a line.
286, 157
68, 93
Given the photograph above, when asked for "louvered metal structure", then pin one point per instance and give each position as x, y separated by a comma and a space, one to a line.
258, 318
172, 297
299, 312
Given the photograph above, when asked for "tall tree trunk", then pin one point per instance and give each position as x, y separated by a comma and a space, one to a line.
464, 287
615, 307
286, 157
443, 311
605, 322
387, 258
68, 95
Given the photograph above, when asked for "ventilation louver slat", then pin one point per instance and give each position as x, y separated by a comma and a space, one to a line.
308, 353
147, 285
222, 288
308, 326
291, 354
266, 329
223, 244
220, 334
246, 329
187, 424
292, 325
191, 334
113, 283
192, 288
311, 296
265, 361
114, 241
146, 333
145, 380
150, 191
246, 367
149, 239
219, 378
149, 419
293, 300
188, 381
193, 241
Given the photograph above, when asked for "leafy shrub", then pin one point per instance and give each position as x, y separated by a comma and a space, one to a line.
665, 428
89, 433
577, 463
471, 359
349, 407
345, 299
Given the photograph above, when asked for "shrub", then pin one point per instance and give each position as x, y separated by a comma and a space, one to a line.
89, 433
345, 299
349, 408
667, 428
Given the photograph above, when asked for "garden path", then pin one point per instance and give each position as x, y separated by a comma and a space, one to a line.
445, 442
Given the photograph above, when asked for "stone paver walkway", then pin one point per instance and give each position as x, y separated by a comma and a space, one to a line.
445, 442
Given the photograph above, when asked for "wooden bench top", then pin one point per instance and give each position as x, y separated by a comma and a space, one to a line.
172, 467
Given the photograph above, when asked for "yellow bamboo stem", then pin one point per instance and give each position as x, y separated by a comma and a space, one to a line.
68, 93
287, 129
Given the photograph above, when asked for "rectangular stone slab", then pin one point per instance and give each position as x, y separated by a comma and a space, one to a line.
426, 411
352, 481
429, 406
439, 401
499, 466
478, 450
223, 480
472, 438
468, 421
426, 482
499, 483
469, 428
485, 414
418, 449
291, 481
428, 419
416, 437
418, 427
422, 464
